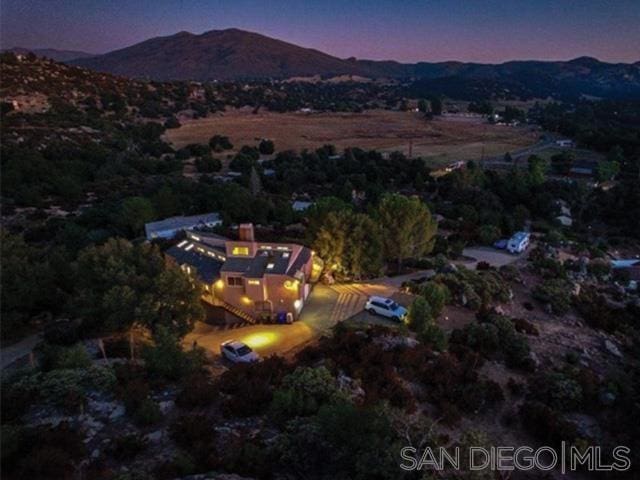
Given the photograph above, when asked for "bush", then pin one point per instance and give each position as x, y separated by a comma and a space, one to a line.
61, 332
196, 435
197, 391
218, 143
556, 293
127, 447
556, 390
303, 392
56, 357
266, 147
208, 164
250, 387
167, 360
147, 413
546, 424
524, 326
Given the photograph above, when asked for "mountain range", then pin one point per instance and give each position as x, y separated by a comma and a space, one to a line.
52, 53
234, 54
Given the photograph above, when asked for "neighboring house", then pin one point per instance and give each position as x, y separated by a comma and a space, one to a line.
583, 168
250, 279
631, 267
565, 143
300, 206
169, 227
518, 243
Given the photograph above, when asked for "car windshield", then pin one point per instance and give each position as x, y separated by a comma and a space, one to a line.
394, 306
244, 350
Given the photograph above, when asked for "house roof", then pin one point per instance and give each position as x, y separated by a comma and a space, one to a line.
207, 268
179, 223
264, 262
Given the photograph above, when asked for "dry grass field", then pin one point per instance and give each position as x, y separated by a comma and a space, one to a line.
441, 140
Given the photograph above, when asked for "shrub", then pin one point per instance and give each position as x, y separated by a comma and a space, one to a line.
197, 391
57, 357
556, 293
147, 413
61, 332
303, 391
250, 387
167, 360
266, 146
557, 391
196, 435
524, 326
127, 447
208, 164
218, 143
546, 424
437, 296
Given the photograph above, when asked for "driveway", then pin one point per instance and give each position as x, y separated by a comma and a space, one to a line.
324, 308
495, 258
19, 350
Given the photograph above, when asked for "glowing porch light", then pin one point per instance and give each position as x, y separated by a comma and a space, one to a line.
297, 304
219, 284
259, 340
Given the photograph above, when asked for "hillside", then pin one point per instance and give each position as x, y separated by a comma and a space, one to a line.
221, 54
52, 53
235, 54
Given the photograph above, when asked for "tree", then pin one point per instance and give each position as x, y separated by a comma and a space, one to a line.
537, 170
408, 229
28, 283
349, 243
423, 105
436, 105
266, 146
134, 213
255, 185
120, 284
218, 143
562, 162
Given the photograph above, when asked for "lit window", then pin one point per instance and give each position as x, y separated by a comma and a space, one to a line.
197, 239
285, 255
182, 244
188, 247
240, 251
270, 266
253, 282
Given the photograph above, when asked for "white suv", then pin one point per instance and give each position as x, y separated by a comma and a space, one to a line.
386, 307
238, 352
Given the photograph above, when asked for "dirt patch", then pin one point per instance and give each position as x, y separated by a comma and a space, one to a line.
440, 140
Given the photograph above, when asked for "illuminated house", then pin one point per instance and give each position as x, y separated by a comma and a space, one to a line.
253, 280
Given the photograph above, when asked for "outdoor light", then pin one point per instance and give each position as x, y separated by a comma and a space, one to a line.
219, 284
297, 304
262, 339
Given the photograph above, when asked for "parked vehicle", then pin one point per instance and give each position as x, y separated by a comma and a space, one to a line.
518, 243
501, 244
386, 307
238, 352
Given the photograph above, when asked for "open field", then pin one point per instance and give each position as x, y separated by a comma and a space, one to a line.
439, 140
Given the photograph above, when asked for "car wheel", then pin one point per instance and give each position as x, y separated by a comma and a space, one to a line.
371, 311
395, 319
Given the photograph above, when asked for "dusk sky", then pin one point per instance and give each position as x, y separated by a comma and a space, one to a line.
404, 30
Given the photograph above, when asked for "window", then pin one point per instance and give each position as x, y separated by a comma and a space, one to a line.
244, 251
235, 281
253, 282
270, 266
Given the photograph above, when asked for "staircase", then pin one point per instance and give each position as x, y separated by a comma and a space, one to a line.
238, 313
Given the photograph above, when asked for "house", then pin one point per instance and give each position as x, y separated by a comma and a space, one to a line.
519, 242
565, 143
300, 206
583, 168
630, 268
251, 279
169, 227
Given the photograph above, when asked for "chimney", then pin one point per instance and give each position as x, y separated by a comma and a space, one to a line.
245, 232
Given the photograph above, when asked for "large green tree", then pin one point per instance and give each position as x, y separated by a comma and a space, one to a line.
408, 229
120, 284
349, 243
